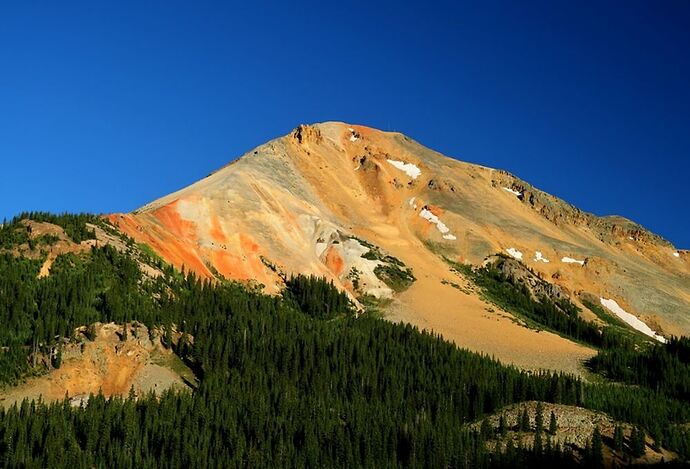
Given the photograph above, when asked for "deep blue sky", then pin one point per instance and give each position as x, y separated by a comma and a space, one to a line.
106, 107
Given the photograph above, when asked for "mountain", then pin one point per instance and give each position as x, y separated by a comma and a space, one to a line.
110, 355
390, 221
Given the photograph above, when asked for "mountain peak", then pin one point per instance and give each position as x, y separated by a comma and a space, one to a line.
381, 216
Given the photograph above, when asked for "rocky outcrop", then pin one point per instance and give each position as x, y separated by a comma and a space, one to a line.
307, 133
111, 359
519, 273
438, 184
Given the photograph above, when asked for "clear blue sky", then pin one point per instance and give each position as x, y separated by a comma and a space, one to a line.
105, 106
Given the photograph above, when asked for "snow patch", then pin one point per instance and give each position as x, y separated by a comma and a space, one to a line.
515, 253
676, 254
440, 226
408, 168
514, 192
430, 217
630, 319
539, 257
570, 260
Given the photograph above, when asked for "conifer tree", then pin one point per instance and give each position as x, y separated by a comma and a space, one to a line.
618, 438
524, 421
486, 429
637, 441
57, 358
538, 443
553, 424
539, 417
597, 448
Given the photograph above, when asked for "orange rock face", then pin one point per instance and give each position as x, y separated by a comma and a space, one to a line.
334, 262
178, 251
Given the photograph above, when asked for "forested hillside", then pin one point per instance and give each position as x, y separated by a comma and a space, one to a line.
284, 381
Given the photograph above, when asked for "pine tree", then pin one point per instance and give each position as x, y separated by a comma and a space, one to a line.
57, 358
486, 429
553, 424
524, 421
502, 425
597, 448
167, 337
538, 444
548, 448
539, 418
637, 441
618, 438
510, 450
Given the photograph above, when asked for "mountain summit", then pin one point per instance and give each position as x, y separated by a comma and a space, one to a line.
396, 224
